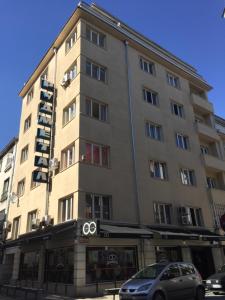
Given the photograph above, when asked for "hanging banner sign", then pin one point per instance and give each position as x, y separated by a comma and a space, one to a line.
46, 85
39, 176
46, 97
43, 134
42, 147
41, 162
44, 121
45, 108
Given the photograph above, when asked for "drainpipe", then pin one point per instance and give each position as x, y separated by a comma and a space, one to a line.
136, 192
52, 137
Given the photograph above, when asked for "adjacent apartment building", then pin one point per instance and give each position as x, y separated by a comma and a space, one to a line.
113, 128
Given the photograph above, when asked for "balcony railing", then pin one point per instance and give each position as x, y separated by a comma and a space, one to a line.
213, 163
201, 104
206, 131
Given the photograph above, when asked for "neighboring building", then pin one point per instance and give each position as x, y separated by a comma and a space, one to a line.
7, 163
132, 131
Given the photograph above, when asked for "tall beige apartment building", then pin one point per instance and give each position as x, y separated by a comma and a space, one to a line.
131, 141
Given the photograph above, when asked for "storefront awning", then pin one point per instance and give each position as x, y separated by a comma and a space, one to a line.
175, 235
112, 231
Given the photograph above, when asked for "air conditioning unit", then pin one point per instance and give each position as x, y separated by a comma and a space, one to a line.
66, 81
53, 164
184, 215
35, 224
83, 157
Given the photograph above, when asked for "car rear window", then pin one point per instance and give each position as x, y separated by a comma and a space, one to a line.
187, 269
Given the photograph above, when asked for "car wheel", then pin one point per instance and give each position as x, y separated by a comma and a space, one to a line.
200, 294
158, 296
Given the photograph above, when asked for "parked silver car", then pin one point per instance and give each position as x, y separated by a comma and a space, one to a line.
164, 281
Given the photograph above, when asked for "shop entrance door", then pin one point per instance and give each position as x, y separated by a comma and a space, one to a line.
203, 260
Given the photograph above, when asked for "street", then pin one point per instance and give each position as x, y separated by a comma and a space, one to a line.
3, 297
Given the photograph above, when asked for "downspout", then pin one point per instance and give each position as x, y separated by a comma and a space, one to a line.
52, 137
136, 192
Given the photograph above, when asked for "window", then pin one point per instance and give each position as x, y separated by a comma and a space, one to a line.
96, 110
95, 37
211, 182
153, 131
66, 209
147, 66
31, 220
71, 73
29, 265
34, 184
67, 156
177, 109
15, 228
158, 170
21, 188
71, 40
187, 269
182, 141
187, 177
150, 96
69, 113
173, 80
173, 271
97, 154
5, 190
24, 154
196, 216
27, 123
204, 149
44, 75
98, 206
30, 95
95, 71
162, 213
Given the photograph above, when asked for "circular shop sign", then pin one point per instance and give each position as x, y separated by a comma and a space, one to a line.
89, 228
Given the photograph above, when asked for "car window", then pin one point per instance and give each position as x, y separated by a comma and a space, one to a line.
222, 270
186, 269
150, 272
173, 271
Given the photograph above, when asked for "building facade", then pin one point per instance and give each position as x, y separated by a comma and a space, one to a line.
125, 135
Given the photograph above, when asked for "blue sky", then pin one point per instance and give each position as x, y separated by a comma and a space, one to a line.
192, 30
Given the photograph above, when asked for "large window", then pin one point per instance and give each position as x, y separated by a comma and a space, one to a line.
95, 71
97, 154
29, 265
162, 213
182, 141
196, 216
31, 220
173, 80
96, 110
69, 112
211, 182
71, 40
5, 190
27, 123
66, 209
21, 187
177, 109
68, 157
24, 154
71, 73
110, 263
158, 169
98, 206
147, 66
30, 95
95, 37
60, 265
153, 131
187, 176
150, 96
15, 228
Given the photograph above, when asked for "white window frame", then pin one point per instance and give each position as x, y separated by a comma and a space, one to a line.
92, 196
99, 70
153, 96
67, 203
21, 188
173, 80
147, 66
157, 210
196, 221
182, 141
155, 133
162, 167
71, 73
71, 40
69, 112
89, 109
16, 228
89, 36
27, 123
100, 154
24, 154
186, 177
32, 215
30, 95
66, 155
204, 150
180, 109
211, 182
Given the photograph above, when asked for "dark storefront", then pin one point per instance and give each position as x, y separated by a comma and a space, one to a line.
168, 254
203, 260
29, 264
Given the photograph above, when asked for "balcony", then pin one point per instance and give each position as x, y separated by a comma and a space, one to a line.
213, 163
201, 104
206, 131
217, 195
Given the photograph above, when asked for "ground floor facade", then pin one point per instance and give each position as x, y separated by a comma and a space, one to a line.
62, 261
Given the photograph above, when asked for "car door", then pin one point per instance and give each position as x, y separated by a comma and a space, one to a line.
188, 278
171, 282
